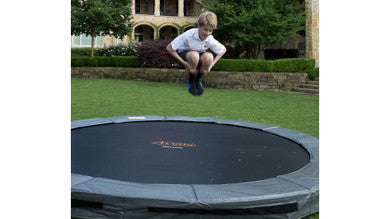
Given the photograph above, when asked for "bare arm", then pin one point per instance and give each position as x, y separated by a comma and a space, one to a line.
217, 58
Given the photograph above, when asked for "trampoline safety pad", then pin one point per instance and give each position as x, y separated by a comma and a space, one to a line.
172, 166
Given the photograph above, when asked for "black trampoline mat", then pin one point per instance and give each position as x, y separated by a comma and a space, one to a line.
182, 153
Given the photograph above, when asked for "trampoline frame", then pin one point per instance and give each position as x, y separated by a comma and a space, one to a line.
292, 195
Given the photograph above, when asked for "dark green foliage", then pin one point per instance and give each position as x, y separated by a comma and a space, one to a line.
115, 61
83, 61
314, 73
101, 17
242, 65
293, 65
252, 65
251, 25
76, 52
239, 65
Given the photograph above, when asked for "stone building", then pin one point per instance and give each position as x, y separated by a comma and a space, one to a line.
153, 19
163, 19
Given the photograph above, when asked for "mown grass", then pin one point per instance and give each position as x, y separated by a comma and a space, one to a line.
92, 98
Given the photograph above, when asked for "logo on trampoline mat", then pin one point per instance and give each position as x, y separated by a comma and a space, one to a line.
176, 145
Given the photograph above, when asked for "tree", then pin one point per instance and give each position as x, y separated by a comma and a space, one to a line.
100, 17
252, 25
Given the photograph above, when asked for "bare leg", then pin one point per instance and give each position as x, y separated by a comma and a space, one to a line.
206, 59
193, 60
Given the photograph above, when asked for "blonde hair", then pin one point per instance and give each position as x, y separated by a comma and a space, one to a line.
208, 18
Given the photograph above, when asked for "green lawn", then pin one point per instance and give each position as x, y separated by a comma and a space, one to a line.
102, 98
93, 98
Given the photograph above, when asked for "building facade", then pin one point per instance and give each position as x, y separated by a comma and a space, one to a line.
166, 19
153, 19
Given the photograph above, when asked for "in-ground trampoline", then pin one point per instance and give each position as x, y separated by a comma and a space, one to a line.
146, 166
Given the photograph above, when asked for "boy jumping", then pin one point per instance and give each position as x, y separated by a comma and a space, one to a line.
190, 48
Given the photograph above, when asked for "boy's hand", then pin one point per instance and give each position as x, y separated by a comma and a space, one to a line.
188, 66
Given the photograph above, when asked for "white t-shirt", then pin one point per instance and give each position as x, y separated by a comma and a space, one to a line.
190, 40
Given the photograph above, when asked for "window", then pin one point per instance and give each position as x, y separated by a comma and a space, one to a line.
86, 41
162, 7
146, 6
137, 6
119, 41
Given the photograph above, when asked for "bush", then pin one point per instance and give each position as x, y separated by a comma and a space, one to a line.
153, 54
242, 65
314, 73
119, 50
234, 65
77, 52
253, 65
294, 65
115, 61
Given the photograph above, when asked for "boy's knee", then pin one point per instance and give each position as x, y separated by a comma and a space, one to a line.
207, 57
192, 55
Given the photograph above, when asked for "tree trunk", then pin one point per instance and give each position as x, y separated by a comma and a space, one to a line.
93, 39
255, 52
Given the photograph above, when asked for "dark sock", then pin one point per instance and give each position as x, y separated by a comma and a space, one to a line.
192, 85
192, 77
199, 87
198, 76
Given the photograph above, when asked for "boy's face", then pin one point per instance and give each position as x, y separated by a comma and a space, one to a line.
205, 31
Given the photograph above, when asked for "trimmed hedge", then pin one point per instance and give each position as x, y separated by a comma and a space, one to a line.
234, 65
115, 61
85, 52
253, 65
314, 73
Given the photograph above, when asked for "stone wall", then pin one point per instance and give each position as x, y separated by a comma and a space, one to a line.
275, 81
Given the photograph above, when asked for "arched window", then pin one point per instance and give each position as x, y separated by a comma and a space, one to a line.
143, 33
168, 32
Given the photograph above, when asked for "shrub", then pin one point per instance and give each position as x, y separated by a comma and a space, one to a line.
294, 65
77, 52
115, 61
83, 61
314, 73
234, 65
119, 50
243, 65
153, 54
253, 65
